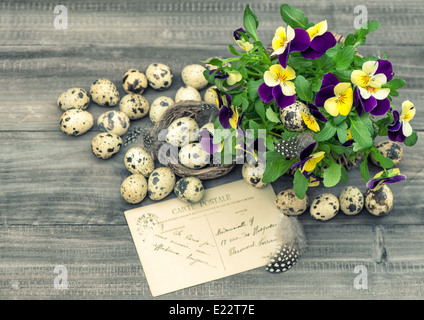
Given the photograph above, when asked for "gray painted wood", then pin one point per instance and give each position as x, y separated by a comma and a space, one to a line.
60, 206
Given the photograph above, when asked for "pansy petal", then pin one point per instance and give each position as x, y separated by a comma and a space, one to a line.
225, 114
312, 54
406, 128
359, 78
316, 113
282, 100
381, 108
290, 34
370, 67
396, 136
283, 57
396, 124
378, 80
307, 151
369, 104
329, 79
381, 94
270, 79
365, 94
385, 67
323, 95
324, 42
301, 40
289, 73
408, 111
265, 93
332, 107
288, 88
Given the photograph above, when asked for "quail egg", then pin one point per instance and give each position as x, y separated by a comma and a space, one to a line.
159, 76
189, 189
104, 145
351, 200
291, 117
138, 160
104, 93
210, 95
379, 202
193, 156
161, 183
159, 106
182, 131
114, 121
208, 126
289, 204
74, 98
324, 207
253, 174
389, 149
135, 106
134, 81
187, 93
192, 75
134, 188
75, 122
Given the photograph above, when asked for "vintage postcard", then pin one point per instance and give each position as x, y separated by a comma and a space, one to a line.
230, 231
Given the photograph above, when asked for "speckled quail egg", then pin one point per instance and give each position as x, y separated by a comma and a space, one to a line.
253, 174
105, 144
75, 122
189, 189
74, 98
134, 188
187, 93
134, 105
208, 126
389, 149
182, 131
324, 207
138, 160
134, 81
210, 95
192, 75
159, 76
292, 119
379, 202
161, 183
351, 200
114, 121
104, 93
193, 156
288, 203
159, 106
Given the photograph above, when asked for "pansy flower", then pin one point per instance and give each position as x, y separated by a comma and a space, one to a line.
384, 177
336, 97
369, 82
308, 160
321, 41
311, 119
228, 115
400, 128
233, 78
370, 105
219, 74
314, 181
242, 39
278, 86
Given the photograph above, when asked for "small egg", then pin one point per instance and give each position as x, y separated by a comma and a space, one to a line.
104, 145
325, 207
138, 160
75, 122
351, 200
210, 95
114, 121
159, 106
391, 150
134, 188
161, 183
210, 126
379, 202
187, 93
209, 66
135, 106
193, 156
253, 174
189, 190
289, 204
159, 76
182, 131
74, 98
134, 81
292, 119
192, 75
104, 93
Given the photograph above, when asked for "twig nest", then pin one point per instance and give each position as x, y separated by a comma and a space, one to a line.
292, 118
134, 188
159, 76
187, 93
75, 122
161, 183
210, 95
138, 160
114, 121
189, 190
289, 204
324, 207
105, 145
193, 156
351, 200
389, 149
135, 106
104, 93
379, 202
192, 75
159, 106
134, 81
253, 174
73, 98
182, 131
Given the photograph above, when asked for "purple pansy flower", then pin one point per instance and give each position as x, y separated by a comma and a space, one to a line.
308, 160
321, 41
400, 128
370, 105
381, 178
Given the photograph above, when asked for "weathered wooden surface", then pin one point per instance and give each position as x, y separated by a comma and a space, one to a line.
60, 206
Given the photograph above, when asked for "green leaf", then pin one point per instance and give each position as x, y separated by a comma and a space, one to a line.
344, 58
300, 184
345, 175
250, 22
276, 166
412, 139
233, 51
326, 133
360, 133
303, 89
332, 174
350, 40
294, 17
272, 116
260, 108
386, 163
252, 87
363, 168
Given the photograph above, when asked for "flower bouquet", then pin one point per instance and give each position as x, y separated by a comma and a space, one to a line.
305, 102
